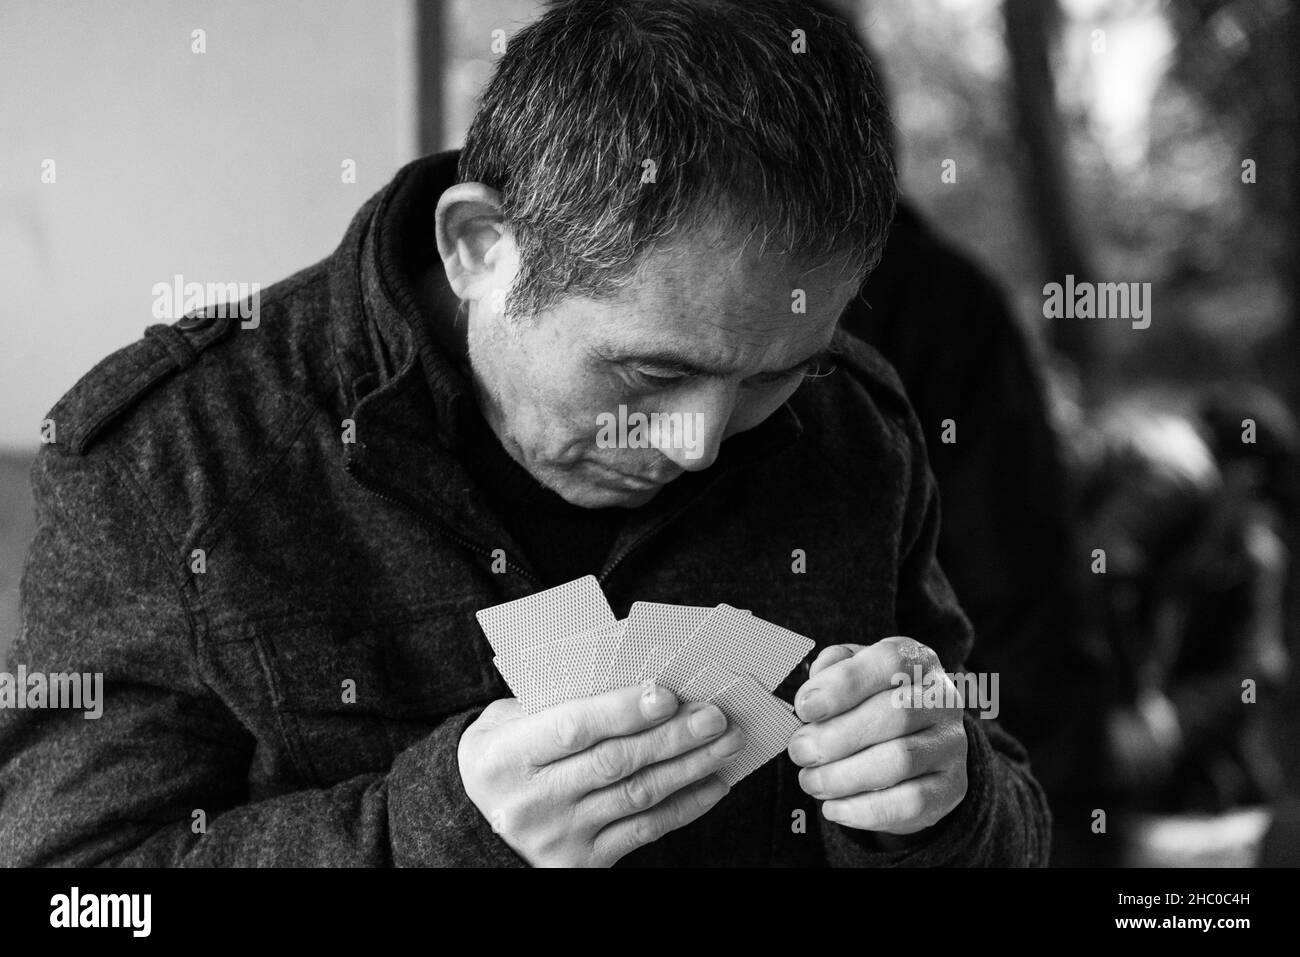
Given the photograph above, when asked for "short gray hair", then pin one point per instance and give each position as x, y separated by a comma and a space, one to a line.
742, 127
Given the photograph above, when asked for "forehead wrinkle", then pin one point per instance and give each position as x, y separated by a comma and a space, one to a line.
693, 313
780, 318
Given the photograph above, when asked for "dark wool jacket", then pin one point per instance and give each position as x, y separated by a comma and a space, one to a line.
326, 561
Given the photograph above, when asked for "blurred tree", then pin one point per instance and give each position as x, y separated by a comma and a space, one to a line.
1032, 27
1237, 58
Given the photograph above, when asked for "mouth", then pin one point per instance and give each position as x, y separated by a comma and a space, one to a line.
638, 484
635, 483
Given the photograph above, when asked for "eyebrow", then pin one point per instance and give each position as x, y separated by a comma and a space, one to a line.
684, 364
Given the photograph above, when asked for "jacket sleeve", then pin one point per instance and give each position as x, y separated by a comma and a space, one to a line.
1004, 820
98, 596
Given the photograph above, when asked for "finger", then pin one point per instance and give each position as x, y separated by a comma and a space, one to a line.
832, 654
627, 834
903, 809
617, 759
883, 765
653, 785
574, 726
846, 684
882, 717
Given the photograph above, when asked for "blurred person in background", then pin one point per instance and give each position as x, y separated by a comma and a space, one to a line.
1006, 540
1190, 520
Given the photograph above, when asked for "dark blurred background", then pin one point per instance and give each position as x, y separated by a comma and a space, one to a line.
1111, 140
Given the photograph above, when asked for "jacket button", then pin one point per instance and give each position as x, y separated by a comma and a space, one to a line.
198, 320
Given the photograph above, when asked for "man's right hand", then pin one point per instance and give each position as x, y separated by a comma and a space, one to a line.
588, 781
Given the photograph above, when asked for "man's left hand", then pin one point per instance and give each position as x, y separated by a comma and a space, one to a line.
877, 765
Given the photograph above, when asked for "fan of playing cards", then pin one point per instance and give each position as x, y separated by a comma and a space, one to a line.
565, 643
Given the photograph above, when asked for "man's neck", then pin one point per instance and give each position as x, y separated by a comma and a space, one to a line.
443, 313
447, 318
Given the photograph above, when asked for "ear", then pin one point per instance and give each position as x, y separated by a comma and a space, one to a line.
471, 233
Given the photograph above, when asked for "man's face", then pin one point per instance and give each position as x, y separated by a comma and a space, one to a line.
705, 343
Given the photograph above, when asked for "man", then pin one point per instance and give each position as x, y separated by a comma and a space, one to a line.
272, 540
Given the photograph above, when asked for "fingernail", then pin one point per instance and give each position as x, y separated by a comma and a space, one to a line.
728, 745
707, 722
655, 702
811, 705
802, 751
714, 793
810, 782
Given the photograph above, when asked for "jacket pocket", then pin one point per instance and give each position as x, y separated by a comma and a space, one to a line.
353, 694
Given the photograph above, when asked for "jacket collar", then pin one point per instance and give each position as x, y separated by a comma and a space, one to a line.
398, 372
382, 337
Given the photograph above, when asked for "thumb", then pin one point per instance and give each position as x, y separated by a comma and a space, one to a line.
497, 713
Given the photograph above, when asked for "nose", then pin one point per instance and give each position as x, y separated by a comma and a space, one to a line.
705, 412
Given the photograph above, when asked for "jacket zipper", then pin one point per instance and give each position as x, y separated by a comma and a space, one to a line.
633, 546
654, 530
441, 527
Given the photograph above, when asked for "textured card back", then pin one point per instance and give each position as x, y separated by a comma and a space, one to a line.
768, 723
530, 622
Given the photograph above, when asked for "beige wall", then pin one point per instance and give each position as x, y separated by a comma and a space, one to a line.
222, 166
